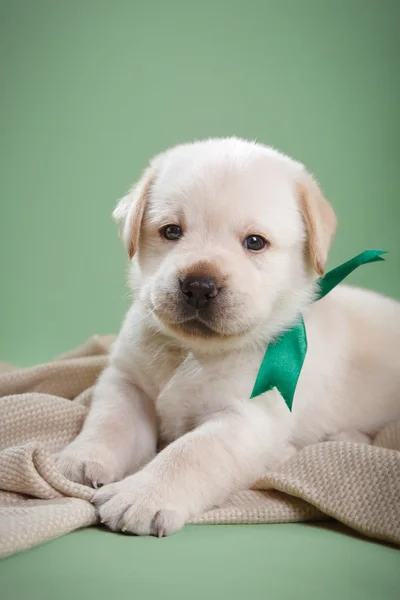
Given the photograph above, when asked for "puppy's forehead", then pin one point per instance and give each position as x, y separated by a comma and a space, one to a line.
250, 189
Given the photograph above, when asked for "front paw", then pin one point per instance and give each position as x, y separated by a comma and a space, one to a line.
88, 463
136, 505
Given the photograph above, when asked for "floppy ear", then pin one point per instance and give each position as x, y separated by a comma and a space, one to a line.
129, 211
320, 221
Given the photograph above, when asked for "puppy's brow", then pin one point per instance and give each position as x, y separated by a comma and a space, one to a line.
157, 223
157, 218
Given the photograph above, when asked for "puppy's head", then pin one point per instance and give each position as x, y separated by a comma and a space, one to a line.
228, 238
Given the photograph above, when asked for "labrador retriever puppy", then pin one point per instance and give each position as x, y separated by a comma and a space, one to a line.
226, 240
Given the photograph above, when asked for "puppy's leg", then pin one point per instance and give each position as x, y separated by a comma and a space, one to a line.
201, 469
118, 437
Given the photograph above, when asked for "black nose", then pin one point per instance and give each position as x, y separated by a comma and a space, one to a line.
199, 290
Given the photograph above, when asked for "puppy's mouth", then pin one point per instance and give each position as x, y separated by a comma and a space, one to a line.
191, 326
197, 328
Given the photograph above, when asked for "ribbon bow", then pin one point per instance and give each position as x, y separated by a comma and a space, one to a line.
284, 357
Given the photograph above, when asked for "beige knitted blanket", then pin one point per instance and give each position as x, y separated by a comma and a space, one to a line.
43, 408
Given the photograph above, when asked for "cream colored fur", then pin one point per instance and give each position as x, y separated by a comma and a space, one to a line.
185, 386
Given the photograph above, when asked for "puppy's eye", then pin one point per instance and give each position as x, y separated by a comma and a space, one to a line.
171, 232
255, 243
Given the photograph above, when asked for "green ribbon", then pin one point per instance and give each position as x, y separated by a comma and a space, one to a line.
284, 357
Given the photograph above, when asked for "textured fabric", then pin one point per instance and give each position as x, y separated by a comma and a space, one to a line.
43, 408
284, 357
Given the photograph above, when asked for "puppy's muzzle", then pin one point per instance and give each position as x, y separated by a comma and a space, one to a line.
199, 291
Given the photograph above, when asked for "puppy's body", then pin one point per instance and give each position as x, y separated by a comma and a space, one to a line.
183, 367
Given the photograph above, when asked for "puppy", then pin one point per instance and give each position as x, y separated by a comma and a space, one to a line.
226, 239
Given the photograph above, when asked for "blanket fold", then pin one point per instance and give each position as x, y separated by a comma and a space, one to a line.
43, 408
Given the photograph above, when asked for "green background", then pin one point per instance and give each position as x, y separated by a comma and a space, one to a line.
297, 561
91, 89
